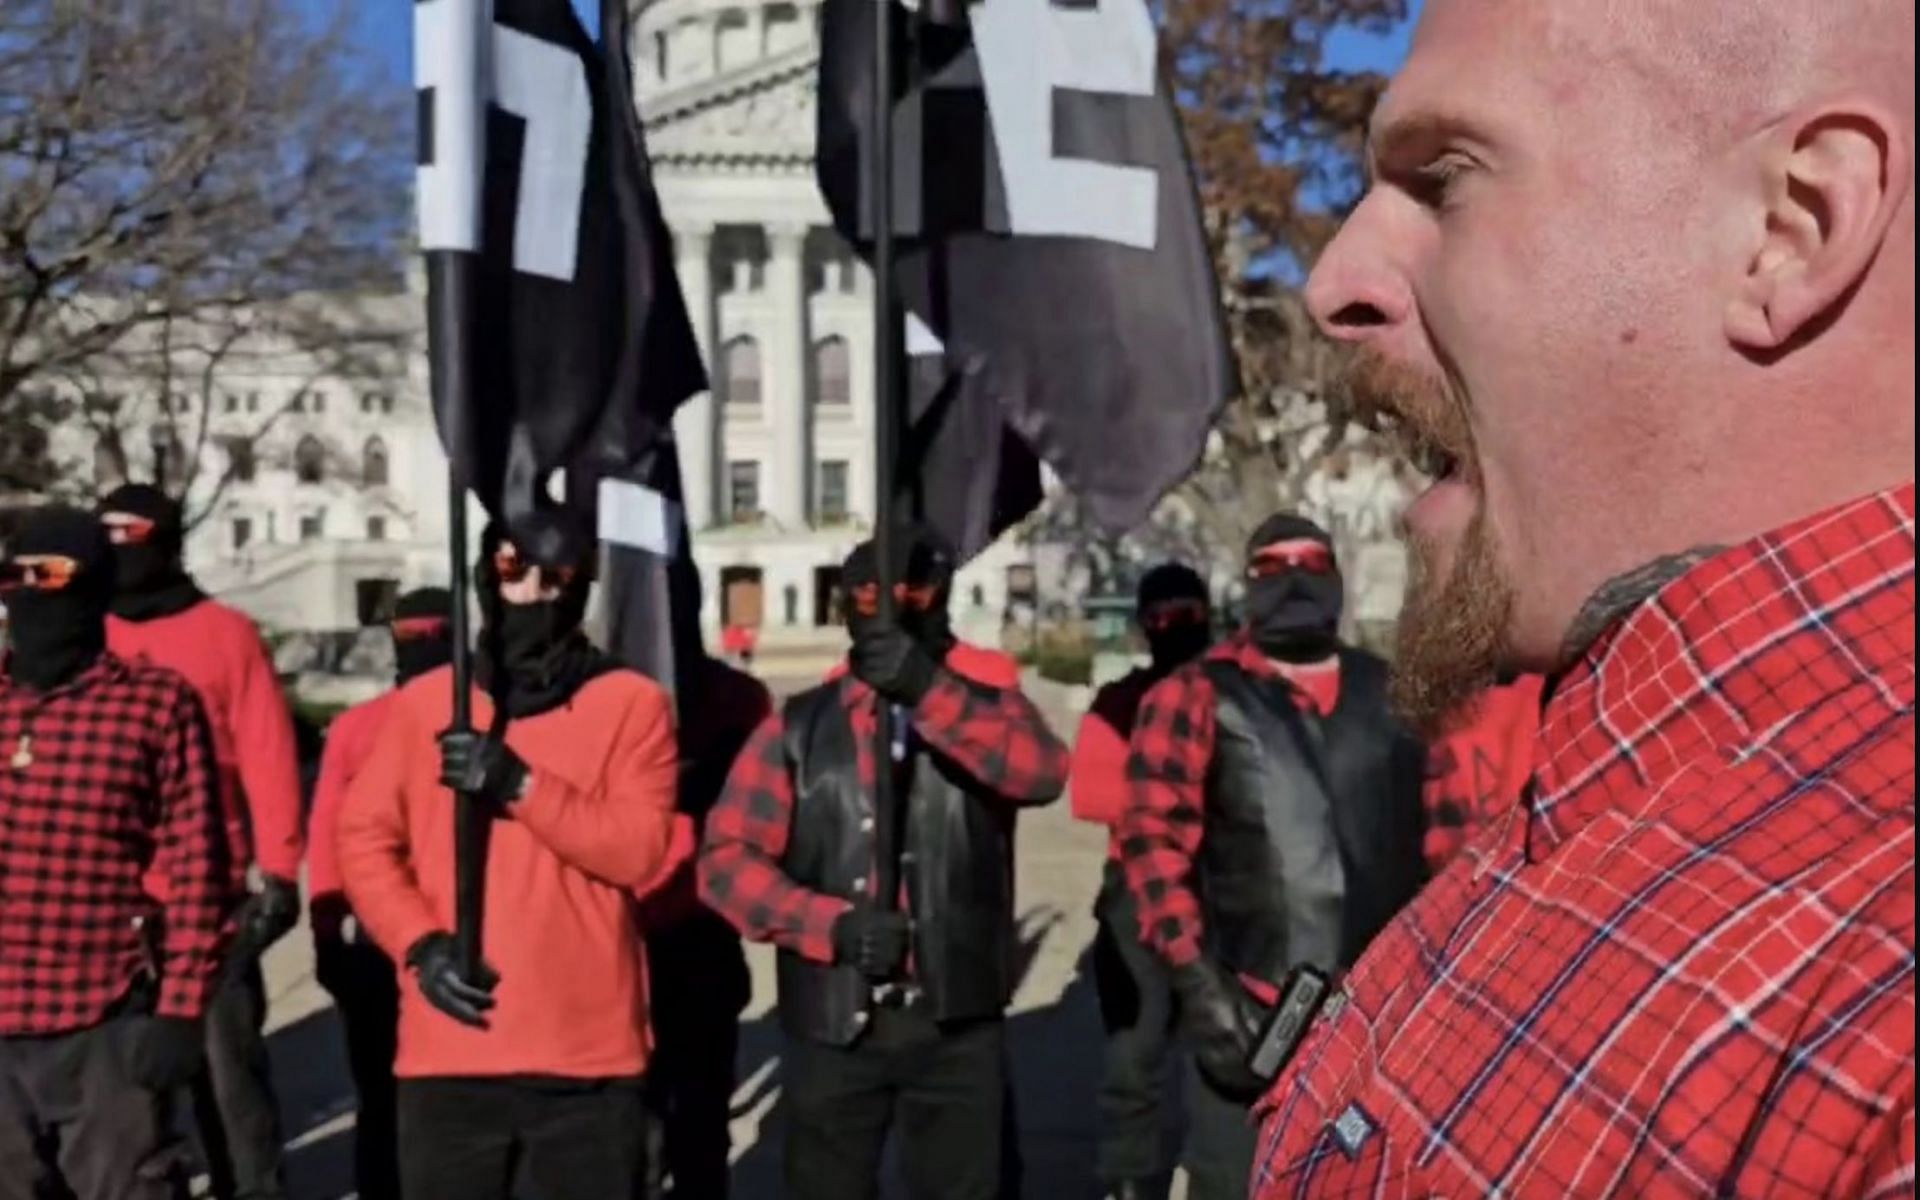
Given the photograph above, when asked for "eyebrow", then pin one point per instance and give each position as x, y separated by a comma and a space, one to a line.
1408, 140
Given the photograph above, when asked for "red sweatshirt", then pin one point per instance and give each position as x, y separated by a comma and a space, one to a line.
221, 654
350, 741
596, 825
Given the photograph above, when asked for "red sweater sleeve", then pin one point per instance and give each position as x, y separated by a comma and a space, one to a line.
621, 832
348, 743
1097, 784
268, 760
371, 836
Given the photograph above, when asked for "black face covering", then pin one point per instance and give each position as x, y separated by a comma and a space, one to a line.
1172, 644
53, 636
924, 561
151, 581
422, 652
1294, 616
534, 657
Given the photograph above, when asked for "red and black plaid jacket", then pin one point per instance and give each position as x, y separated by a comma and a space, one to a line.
975, 716
100, 779
1684, 965
1161, 830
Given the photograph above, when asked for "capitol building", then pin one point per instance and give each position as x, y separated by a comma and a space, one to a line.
315, 498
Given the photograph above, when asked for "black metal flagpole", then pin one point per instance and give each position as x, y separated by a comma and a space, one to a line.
459, 147
888, 332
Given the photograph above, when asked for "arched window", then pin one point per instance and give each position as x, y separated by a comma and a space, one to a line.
740, 367
373, 463
310, 460
832, 373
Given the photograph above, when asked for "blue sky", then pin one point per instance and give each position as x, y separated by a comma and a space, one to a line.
384, 28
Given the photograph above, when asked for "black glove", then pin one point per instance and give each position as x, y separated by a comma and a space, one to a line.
266, 917
871, 940
435, 960
1223, 1023
164, 1053
892, 662
482, 766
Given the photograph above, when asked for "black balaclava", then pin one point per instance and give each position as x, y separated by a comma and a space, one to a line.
923, 562
1294, 616
53, 636
1174, 641
151, 581
429, 646
534, 657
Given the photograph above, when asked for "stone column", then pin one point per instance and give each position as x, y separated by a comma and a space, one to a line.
786, 377
693, 424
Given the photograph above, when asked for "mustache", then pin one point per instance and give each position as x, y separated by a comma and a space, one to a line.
1421, 415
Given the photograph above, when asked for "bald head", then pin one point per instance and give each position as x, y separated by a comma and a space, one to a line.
1653, 262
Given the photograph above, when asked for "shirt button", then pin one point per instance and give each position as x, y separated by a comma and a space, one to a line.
906, 857
860, 884
866, 824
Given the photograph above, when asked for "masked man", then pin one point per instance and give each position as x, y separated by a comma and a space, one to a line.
897, 1007
1136, 1000
1275, 821
537, 1065
106, 778
360, 978
160, 616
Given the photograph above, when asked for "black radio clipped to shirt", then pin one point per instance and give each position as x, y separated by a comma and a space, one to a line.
1301, 997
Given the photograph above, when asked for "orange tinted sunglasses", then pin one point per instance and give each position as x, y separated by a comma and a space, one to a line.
1314, 559
38, 573
912, 598
411, 629
1171, 614
124, 529
511, 568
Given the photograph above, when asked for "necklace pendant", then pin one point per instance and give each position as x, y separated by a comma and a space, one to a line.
23, 753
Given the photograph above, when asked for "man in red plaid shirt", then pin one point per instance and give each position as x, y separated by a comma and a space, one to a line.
889, 1008
1639, 279
1274, 824
106, 773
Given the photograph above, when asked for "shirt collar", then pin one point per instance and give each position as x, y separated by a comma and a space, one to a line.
1319, 683
1724, 657
105, 666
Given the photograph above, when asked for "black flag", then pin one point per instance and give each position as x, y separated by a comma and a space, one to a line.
575, 313
1049, 242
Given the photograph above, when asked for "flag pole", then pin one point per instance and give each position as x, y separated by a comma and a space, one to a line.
451, 296
887, 335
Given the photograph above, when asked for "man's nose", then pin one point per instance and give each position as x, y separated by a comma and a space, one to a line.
1354, 293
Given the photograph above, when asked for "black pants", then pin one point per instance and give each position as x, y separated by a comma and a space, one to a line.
945, 1085
699, 985
233, 1101
366, 992
72, 1121
1136, 1009
1221, 1141
473, 1139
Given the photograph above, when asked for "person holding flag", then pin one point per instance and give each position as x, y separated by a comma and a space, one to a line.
539, 1058
1136, 1001
161, 616
1274, 827
354, 971
891, 1004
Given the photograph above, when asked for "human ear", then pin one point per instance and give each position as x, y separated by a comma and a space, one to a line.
1834, 178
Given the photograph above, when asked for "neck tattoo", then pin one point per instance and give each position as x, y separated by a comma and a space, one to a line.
1623, 593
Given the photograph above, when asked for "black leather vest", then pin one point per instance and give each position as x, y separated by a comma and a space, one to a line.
956, 861
1313, 826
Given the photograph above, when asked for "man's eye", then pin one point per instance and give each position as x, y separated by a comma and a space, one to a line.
1434, 184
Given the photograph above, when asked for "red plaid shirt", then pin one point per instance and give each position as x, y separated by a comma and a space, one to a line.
1161, 830
975, 716
1684, 966
100, 779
